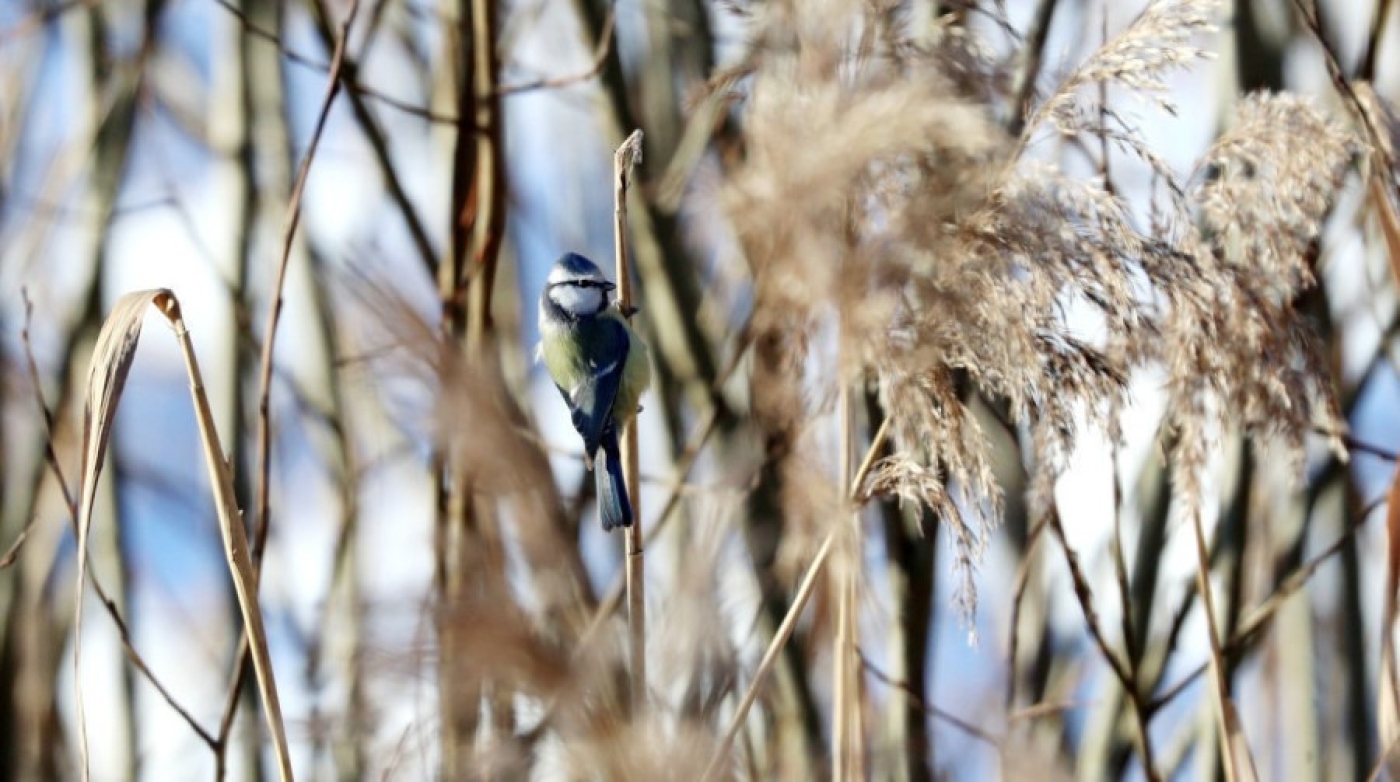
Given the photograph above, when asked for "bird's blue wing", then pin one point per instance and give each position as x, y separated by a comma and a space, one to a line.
591, 402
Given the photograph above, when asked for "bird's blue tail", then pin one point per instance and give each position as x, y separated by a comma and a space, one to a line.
614, 509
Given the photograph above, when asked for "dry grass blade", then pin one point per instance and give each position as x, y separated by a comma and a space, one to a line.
111, 362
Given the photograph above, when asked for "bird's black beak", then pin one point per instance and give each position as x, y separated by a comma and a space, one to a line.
609, 287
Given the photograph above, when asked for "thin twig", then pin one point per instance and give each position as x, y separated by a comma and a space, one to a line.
261, 517
1124, 671
13, 551
379, 145
1136, 695
274, 312
1361, 446
600, 58
40, 17
332, 69
1259, 617
1085, 594
398, 104
927, 708
1022, 585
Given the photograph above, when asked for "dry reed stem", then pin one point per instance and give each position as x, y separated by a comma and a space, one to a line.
799, 601
846, 699
1381, 187
841, 641
112, 357
780, 637
1237, 760
628, 156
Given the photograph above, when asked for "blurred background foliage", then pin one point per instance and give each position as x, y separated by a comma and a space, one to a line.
440, 600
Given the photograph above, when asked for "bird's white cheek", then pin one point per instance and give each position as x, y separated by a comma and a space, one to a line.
579, 300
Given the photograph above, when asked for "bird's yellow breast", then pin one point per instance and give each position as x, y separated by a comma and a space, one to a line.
636, 375
566, 362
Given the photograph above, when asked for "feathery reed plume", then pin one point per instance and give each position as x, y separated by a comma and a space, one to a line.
1235, 342
950, 260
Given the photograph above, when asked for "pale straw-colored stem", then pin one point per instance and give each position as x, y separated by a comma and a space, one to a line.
627, 156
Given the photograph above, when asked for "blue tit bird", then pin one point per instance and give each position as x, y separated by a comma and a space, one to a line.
600, 367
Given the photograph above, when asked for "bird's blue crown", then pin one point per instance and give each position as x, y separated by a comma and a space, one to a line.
576, 264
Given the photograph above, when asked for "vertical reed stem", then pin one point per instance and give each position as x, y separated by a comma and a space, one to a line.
628, 155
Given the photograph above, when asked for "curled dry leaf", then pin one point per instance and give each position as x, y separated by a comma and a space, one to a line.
111, 363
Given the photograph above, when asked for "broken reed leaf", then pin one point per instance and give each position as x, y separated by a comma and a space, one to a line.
113, 354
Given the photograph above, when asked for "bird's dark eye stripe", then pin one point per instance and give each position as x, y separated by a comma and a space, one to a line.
576, 283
